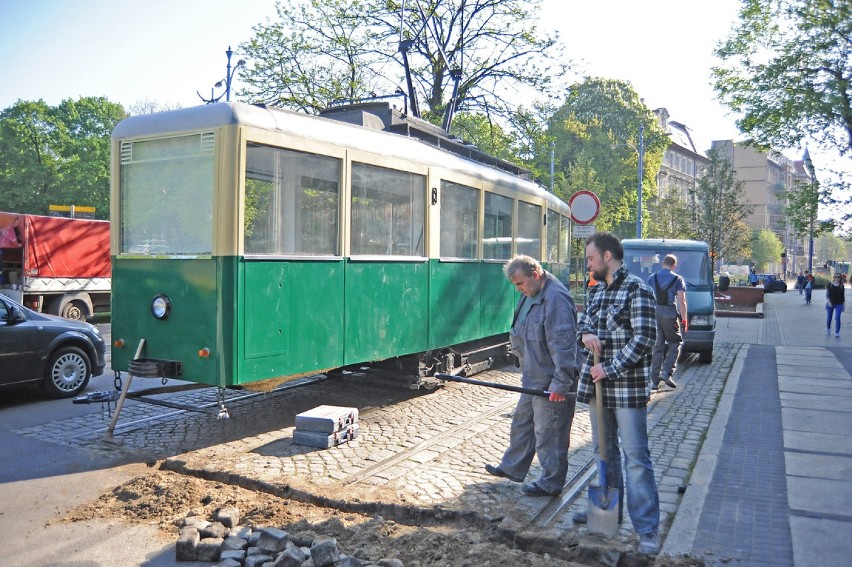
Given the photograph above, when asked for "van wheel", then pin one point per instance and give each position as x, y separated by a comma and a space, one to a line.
706, 356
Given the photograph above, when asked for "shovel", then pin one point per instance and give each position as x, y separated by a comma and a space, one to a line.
602, 515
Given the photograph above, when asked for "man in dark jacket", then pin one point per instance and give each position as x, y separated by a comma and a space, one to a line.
543, 337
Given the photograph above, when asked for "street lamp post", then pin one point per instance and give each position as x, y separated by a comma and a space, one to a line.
639, 174
809, 168
229, 76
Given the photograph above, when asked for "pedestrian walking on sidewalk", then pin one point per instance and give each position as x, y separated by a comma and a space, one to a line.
800, 283
543, 336
619, 324
670, 291
809, 286
835, 303
752, 278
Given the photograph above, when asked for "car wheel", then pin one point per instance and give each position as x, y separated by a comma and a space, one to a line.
705, 356
67, 373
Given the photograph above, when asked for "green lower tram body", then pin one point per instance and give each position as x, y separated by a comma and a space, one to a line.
268, 319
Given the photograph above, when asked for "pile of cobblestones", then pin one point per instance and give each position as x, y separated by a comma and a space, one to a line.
224, 541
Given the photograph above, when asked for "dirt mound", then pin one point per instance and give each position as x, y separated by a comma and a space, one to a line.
166, 498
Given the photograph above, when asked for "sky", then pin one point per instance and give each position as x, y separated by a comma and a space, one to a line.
167, 51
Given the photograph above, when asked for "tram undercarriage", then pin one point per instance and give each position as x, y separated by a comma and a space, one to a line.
414, 371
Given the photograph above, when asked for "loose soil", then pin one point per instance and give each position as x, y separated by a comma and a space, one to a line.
165, 498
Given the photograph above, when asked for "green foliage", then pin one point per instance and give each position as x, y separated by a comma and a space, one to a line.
802, 208
669, 217
595, 133
786, 70
721, 208
829, 247
766, 248
57, 155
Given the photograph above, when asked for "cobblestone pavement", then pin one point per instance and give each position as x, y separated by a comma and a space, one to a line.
426, 450
421, 450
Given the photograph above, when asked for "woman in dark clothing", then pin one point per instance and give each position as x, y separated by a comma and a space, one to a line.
835, 302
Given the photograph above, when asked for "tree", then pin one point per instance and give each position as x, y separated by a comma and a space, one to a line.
787, 69
57, 155
28, 162
324, 50
766, 248
831, 248
721, 209
148, 106
801, 208
669, 217
596, 139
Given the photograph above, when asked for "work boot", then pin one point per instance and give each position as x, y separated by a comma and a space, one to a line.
532, 489
497, 471
649, 543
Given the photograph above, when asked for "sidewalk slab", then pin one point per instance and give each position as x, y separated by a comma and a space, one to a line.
806, 531
836, 443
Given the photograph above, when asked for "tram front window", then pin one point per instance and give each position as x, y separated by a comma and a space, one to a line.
167, 195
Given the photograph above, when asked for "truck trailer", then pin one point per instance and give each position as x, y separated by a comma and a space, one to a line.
55, 265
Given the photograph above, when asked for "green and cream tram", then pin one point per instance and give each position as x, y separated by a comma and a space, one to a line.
252, 243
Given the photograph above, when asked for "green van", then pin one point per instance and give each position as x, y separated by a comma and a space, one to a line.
643, 257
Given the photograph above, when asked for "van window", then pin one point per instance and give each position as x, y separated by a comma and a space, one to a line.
692, 265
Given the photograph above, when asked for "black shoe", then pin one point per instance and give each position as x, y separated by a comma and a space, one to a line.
532, 489
497, 471
655, 387
670, 383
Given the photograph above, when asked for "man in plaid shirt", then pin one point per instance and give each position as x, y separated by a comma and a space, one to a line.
619, 323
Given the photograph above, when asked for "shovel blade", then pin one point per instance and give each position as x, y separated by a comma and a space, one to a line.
602, 517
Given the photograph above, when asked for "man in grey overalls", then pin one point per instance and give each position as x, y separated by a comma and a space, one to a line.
544, 338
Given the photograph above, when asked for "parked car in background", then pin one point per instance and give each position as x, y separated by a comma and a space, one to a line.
772, 282
60, 355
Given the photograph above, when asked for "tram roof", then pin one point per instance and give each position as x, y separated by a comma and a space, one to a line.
325, 130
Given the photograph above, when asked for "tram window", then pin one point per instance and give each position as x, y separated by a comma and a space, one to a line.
167, 195
497, 237
529, 229
459, 220
387, 212
552, 255
292, 202
564, 241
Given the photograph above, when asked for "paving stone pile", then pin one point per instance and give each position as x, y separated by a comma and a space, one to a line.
225, 543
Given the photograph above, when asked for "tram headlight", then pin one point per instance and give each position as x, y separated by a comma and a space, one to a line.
161, 306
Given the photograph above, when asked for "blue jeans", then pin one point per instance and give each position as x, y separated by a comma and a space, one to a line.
643, 500
808, 292
833, 311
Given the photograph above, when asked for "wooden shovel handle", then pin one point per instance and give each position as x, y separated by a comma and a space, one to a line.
599, 413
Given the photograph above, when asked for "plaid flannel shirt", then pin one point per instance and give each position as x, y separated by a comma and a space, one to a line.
623, 315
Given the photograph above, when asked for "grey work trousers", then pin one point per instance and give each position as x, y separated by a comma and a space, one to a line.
540, 427
666, 349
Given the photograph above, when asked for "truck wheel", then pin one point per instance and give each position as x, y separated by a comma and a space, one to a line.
74, 310
67, 373
706, 356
